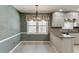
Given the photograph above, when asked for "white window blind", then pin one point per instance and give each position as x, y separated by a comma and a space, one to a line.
43, 26
37, 26
31, 26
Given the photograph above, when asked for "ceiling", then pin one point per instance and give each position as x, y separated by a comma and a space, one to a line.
45, 8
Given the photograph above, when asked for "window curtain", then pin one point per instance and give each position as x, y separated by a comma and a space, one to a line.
40, 17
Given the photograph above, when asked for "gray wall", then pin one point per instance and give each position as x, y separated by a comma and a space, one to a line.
30, 37
34, 37
9, 26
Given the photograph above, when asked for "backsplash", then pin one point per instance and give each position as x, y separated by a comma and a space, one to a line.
64, 30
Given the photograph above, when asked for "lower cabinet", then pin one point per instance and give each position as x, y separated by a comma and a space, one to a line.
76, 35
62, 45
56, 42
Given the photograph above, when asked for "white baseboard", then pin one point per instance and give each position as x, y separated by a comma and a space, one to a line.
36, 41
34, 33
15, 47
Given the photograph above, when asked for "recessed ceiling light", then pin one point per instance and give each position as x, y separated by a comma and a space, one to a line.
77, 9
60, 9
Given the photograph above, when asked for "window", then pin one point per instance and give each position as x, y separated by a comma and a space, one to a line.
38, 27
42, 26
31, 26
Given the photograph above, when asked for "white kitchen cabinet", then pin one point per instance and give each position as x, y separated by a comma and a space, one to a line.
55, 41
76, 35
62, 45
57, 19
73, 15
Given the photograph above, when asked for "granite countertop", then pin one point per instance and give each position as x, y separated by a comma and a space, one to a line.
60, 34
75, 30
66, 36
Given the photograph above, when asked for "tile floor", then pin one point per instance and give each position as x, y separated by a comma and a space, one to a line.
30, 47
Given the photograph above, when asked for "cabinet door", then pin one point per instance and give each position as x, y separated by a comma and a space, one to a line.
57, 42
57, 19
76, 39
73, 15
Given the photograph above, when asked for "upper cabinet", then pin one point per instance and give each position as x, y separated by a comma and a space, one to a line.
72, 16
58, 19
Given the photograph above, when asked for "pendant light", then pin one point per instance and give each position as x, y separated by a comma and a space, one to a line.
36, 11
37, 18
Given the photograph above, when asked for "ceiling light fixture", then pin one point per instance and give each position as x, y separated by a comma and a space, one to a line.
60, 9
37, 18
77, 9
36, 11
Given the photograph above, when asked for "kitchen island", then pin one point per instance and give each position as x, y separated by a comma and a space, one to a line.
62, 43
